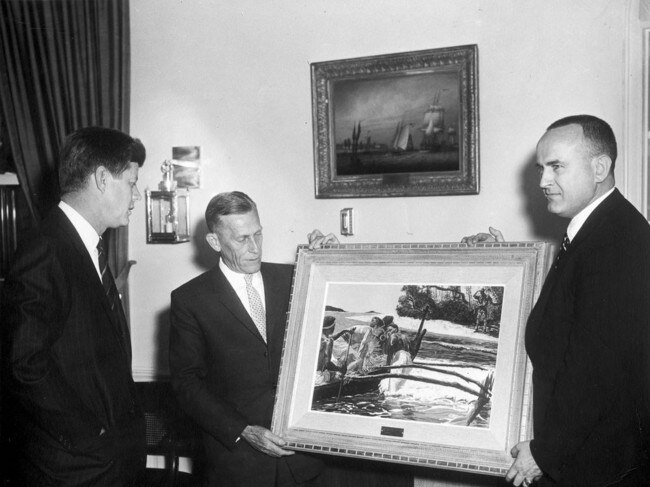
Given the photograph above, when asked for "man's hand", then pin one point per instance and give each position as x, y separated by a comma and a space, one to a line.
316, 239
524, 469
494, 236
265, 441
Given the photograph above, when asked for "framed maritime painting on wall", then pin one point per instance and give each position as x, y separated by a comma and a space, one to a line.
397, 125
410, 353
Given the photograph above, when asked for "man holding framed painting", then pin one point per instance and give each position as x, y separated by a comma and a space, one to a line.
587, 334
227, 330
226, 340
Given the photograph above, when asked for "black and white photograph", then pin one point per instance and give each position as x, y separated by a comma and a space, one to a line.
325, 243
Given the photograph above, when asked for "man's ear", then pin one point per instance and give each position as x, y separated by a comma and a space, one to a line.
213, 241
602, 165
101, 178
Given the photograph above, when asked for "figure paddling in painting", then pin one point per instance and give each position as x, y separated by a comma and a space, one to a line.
360, 352
384, 366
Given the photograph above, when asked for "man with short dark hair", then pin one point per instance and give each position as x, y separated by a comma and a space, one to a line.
587, 334
66, 350
227, 333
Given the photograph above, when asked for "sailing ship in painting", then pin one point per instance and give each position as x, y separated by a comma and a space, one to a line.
433, 359
428, 143
433, 128
403, 140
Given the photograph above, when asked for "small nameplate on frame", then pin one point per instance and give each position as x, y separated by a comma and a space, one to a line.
395, 179
388, 431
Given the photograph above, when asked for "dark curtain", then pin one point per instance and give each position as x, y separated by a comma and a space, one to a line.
64, 64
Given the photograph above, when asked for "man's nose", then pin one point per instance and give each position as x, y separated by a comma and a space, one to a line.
253, 246
545, 179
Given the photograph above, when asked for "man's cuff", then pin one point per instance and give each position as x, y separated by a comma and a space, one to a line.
241, 435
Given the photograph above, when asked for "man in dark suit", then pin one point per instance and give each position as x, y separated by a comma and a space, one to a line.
67, 353
227, 331
586, 336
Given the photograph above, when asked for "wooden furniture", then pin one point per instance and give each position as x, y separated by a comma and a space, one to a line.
170, 435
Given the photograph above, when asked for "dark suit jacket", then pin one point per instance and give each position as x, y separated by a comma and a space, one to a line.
585, 338
67, 367
225, 375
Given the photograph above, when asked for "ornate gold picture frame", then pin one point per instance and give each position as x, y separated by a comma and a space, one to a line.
402, 124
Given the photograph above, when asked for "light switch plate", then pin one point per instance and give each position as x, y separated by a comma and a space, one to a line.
347, 228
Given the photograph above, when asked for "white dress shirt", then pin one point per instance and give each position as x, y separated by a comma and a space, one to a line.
236, 280
577, 221
86, 231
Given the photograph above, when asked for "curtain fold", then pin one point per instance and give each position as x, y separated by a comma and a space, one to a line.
64, 64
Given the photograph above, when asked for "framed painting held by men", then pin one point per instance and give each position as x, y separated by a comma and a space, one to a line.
397, 125
410, 353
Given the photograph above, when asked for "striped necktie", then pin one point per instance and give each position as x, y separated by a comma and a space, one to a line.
107, 278
563, 249
113, 296
257, 308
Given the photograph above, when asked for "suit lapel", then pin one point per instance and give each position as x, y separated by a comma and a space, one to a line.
586, 233
88, 273
275, 301
225, 293
589, 229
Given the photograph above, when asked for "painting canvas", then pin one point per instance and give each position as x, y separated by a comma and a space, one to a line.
397, 125
410, 353
392, 125
425, 352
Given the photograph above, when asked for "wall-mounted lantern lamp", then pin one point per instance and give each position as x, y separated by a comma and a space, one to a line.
168, 210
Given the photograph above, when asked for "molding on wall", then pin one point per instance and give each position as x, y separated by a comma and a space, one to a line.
645, 126
644, 10
633, 166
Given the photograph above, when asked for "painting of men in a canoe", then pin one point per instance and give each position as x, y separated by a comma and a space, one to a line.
421, 352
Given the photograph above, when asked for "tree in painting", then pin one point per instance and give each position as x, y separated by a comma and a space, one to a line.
462, 305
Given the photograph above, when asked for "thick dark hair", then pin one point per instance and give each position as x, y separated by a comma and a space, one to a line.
86, 149
597, 132
224, 204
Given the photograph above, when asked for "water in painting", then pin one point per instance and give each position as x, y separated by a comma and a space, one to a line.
421, 352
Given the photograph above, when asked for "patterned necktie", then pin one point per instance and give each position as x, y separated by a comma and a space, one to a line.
113, 296
565, 245
257, 308
107, 278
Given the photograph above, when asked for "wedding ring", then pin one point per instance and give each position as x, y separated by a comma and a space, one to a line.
526, 483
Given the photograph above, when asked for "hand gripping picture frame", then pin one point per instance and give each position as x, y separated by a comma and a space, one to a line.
410, 353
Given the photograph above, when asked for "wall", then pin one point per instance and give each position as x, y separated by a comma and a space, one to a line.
233, 77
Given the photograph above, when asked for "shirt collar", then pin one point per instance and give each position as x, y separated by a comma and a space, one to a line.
85, 230
577, 221
236, 279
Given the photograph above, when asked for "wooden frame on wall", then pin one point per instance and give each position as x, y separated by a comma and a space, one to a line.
401, 124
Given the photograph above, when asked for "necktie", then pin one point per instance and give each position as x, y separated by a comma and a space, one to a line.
112, 295
257, 308
565, 245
